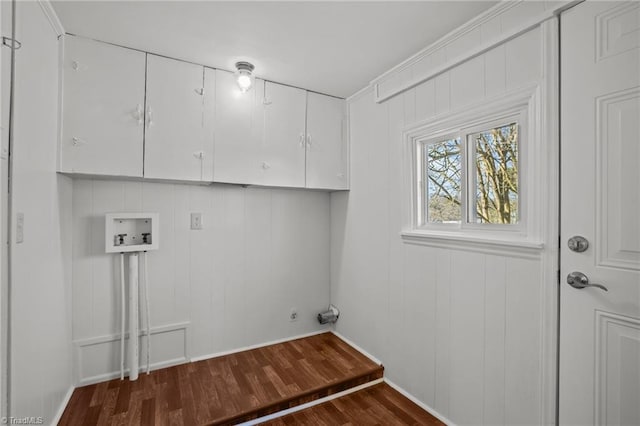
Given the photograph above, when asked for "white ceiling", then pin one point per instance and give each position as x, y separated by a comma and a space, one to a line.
330, 47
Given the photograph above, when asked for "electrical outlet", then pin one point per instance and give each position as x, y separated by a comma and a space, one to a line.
293, 314
196, 220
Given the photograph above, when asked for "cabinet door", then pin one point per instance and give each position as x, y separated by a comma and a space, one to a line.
102, 108
283, 152
326, 147
239, 126
176, 143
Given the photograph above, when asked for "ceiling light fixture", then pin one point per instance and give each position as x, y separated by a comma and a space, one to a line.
244, 75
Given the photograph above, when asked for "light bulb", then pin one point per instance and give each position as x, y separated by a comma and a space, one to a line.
244, 78
244, 82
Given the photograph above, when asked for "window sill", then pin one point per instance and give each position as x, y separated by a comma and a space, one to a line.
474, 242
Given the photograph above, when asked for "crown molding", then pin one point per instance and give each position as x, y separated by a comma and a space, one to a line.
465, 28
360, 93
492, 14
52, 16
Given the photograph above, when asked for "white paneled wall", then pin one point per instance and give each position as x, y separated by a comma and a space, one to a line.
461, 330
40, 370
228, 286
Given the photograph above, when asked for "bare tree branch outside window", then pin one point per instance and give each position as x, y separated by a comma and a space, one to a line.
444, 175
495, 196
497, 175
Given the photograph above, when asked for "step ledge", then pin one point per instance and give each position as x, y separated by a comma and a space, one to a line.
312, 403
255, 411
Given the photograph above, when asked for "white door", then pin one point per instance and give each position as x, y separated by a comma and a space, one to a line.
239, 128
103, 100
326, 147
600, 120
177, 144
283, 147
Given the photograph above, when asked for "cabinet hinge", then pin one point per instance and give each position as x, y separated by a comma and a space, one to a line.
10, 42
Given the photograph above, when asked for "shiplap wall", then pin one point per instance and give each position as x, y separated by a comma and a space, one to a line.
261, 252
461, 330
40, 344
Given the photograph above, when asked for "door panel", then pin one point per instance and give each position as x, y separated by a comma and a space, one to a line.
103, 98
176, 146
283, 150
618, 179
618, 366
600, 330
208, 123
326, 147
239, 131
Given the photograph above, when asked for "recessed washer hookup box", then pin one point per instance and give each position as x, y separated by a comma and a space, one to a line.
127, 232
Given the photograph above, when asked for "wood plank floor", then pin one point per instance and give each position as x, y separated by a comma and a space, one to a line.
227, 389
376, 405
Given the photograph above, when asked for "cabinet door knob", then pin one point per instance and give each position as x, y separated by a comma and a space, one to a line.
78, 66
199, 155
266, 165
76, 141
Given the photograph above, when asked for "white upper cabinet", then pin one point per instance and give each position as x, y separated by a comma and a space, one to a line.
103, 104
283, 149
276, 135
132, 114
327, 155
178, 142
239, 127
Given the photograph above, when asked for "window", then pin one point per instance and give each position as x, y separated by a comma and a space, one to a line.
470, 178
475, 176
495, 160
443, 165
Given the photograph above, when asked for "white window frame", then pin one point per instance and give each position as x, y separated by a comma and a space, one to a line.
523, 107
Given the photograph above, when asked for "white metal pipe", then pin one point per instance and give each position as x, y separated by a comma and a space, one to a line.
122, 316
133, 317
147, 310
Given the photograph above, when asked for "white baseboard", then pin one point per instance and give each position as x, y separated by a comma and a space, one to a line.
63, 404
177, 352
256, 346
358, 348
311, 404
419, 403
97, 378
116, 374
